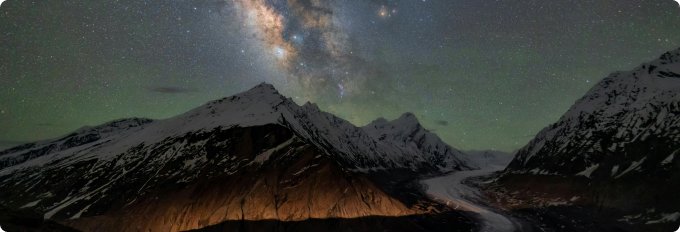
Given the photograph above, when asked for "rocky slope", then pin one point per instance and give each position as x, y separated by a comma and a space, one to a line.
616, 148
256, 156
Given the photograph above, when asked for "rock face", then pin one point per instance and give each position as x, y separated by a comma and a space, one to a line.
255, 156
292, 181
617, 147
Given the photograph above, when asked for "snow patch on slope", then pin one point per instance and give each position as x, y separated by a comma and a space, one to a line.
589, 171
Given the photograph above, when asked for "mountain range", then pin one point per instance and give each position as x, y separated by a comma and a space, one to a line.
254, 156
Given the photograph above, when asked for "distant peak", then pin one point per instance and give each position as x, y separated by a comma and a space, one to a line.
310, 105
408, 115
380, 121
671, 56
407, 118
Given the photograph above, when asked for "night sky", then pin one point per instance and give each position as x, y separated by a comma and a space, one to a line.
483, 74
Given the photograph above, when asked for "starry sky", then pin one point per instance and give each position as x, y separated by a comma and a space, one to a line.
483, 74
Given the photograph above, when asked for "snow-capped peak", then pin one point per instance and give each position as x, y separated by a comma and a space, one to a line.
261, 90
379, 121
407, 119
401, 127
655, 81
262, 95
407, 132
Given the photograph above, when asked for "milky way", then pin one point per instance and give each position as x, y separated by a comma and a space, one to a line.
482, 74
306, 41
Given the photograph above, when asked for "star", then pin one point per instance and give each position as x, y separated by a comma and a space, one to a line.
384, 12
279, 52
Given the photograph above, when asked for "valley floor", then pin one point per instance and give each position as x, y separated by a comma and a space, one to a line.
460, 191
451, 190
